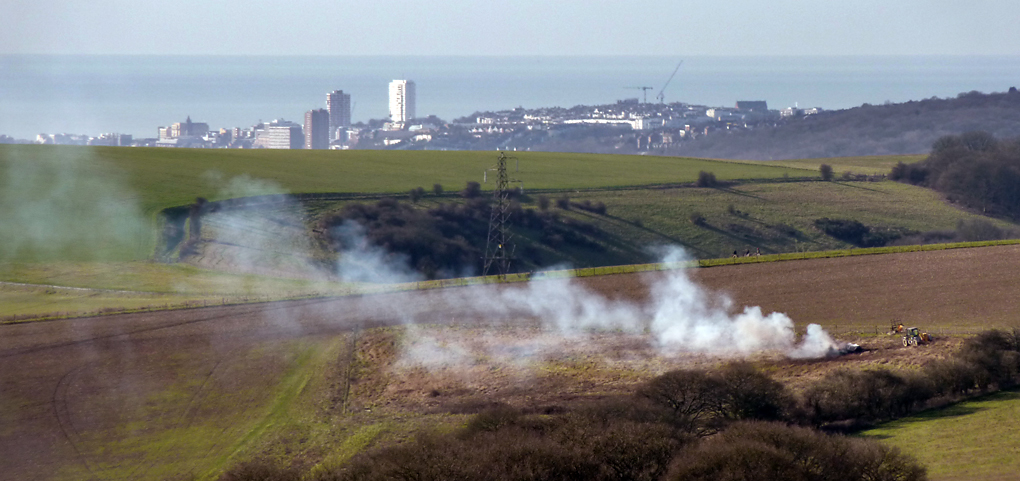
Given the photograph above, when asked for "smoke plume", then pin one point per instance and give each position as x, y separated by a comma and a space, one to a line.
679, 317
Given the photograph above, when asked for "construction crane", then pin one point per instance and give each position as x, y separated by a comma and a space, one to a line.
662, 96
644, 90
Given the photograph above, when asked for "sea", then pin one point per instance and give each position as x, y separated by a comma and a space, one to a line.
137, 94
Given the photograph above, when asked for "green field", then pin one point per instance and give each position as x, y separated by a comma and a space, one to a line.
159, 178
775, 217
88, 217
879, 164
100, 203
977, 439
161, 437
88, 288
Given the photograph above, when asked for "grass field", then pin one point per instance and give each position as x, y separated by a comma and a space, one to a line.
99, 203
73, 289
870, 165
194, 424
165, 177
776, 217
977, 439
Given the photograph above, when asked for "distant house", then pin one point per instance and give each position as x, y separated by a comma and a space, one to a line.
753, 106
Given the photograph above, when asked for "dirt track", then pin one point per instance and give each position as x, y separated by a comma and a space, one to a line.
61, 381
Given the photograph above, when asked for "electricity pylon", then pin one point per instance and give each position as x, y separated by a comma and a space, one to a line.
499, 251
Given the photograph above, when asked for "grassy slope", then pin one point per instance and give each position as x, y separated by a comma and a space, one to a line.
167, 177
880, 164
123, 188
664, 214
198, 426
972, 440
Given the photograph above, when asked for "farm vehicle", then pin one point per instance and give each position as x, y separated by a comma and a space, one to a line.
914, 337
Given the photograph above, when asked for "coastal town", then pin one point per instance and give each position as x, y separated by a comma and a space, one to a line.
626, 126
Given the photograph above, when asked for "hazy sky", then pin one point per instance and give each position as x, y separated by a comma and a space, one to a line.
511, 27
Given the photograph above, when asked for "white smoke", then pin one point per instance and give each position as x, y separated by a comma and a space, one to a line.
67, 205
680, 317
361, 261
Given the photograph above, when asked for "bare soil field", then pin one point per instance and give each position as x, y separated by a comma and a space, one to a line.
127, 396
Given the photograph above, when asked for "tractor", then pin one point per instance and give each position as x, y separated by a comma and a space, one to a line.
914, 337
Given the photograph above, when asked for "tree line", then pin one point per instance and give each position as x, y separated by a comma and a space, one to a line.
975, 169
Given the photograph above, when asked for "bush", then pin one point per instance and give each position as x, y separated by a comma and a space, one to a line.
973, 230
825, 170
706, 179
757, 450
563, 203
437, 189
543, 203
693, 397
698, 219
995, 356
865, 396
416, 194
748, 393
589, 206
472, 190
858, 234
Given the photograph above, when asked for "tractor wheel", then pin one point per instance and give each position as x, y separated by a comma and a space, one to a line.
906, 342
913, 341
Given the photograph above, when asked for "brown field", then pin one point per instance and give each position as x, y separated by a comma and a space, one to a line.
96, 398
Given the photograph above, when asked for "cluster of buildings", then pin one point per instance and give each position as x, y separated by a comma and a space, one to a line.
323, 128
115, 140
628, 125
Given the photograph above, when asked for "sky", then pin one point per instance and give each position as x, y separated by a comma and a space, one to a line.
510, 27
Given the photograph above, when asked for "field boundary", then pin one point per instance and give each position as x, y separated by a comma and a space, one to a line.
698, 263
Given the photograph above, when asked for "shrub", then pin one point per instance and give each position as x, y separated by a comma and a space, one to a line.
692, 395
563, 203
472, 190
748, 393
437, 189
862, 397
698, 219
825, 170
706, 179
492, 419
589, 206
757, 450
858, 234
995, 357
972, 230
416, 194
543, 203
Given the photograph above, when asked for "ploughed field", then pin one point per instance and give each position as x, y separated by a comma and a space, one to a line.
187, 393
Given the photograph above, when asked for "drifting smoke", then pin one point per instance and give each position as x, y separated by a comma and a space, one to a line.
55, 206
67, 206
362, 261
680, 317
260, 231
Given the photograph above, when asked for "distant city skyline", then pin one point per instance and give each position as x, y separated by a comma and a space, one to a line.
514, 27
